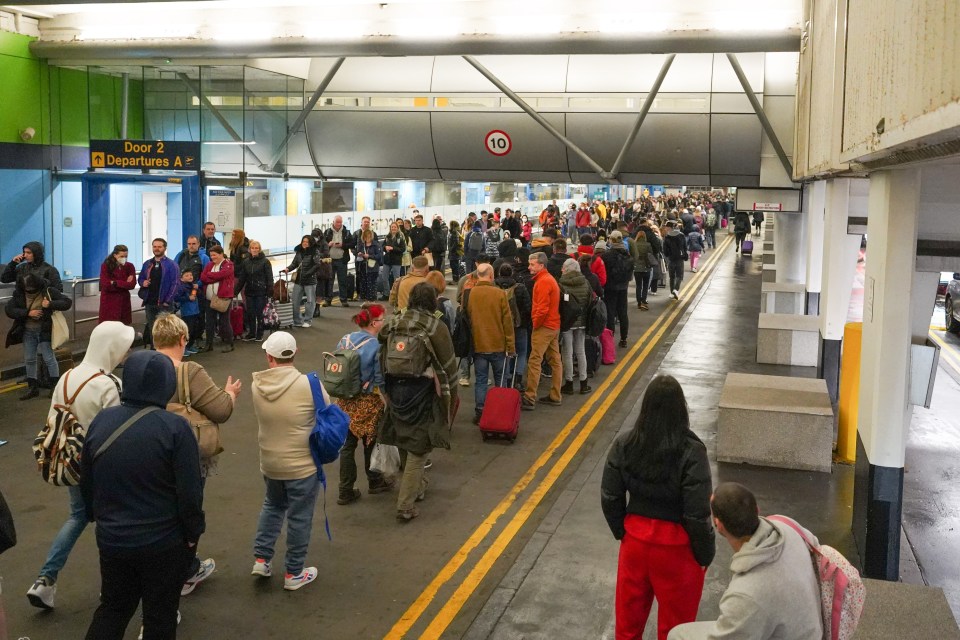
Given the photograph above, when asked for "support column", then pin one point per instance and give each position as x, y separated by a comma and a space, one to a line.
788, 244
884, 413
844, 197
95, 214
814, 198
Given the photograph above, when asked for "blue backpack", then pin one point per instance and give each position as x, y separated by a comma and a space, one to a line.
328, 435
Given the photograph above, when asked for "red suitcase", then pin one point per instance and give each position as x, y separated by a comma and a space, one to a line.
236, 319
501, 410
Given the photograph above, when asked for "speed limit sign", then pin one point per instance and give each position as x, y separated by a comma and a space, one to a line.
498, 142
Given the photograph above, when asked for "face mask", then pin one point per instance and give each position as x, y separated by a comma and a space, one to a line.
121, 261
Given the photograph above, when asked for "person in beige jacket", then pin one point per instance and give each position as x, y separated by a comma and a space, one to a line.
286, 414
491, 323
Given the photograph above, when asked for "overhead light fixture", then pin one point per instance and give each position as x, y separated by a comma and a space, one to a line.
340, 29
645, 23
428, 28
144, 31
232, 142
244, 32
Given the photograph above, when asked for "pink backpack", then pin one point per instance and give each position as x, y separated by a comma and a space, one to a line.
841, 590
607, 347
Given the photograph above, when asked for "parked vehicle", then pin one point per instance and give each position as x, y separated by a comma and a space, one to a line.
951, 305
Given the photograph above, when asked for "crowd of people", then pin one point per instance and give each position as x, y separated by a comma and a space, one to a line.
511, 292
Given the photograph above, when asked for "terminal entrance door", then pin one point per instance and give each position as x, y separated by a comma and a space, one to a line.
154, 219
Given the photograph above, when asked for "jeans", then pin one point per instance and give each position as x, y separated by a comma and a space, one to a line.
642, 279
465, 367
655, 275
469, 264
711, 234
616, 300
155, 578
151, 311
215, 318
298, 292
694, 259
676, 274
67, 537
521, 336
254, 312
395, 272
32, 343
413, 482
455, 267
573, 343
348, 465
482, 362
340, 274
544, 345
295, 501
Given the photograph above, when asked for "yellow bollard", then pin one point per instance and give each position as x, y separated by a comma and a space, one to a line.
849, 400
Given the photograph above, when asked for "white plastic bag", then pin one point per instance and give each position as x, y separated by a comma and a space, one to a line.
385, 459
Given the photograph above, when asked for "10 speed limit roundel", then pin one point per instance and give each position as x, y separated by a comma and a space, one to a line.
498, 142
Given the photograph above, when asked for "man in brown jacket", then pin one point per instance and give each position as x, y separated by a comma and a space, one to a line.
400, 293
491, 324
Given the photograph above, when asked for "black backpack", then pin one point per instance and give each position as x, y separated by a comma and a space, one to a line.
569, 310
619, 266
596, 316
462, 332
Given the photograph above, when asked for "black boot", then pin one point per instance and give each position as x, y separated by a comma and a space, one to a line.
53, 385
33, 389
567, 388
584, 387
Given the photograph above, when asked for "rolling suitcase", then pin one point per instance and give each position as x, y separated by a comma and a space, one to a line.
236, 319
283, 302
746, 248
501, 410
592, 347
608, 347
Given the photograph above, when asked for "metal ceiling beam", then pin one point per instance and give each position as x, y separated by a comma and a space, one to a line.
540, 119
307, 108
71, 50
644, 110
764, 121
185, 79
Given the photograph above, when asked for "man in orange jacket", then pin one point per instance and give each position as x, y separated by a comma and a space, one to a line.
546, 333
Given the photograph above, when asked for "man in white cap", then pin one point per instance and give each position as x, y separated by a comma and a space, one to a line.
285, 412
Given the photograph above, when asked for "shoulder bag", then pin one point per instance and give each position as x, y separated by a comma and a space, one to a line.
207, 431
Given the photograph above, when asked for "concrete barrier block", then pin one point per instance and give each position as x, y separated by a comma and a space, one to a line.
769, 257
775, 421
767, 245
788, 339
769, 273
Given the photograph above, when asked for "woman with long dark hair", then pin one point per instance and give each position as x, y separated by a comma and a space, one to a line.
117, 278
664, 527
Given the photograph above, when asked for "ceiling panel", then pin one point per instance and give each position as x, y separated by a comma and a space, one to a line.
382, 139
735, 144
458, 140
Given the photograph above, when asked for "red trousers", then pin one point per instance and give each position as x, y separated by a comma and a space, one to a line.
656, 562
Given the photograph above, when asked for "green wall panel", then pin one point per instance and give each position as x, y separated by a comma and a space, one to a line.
20, 89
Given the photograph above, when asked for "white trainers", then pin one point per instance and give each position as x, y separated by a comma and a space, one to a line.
207, 567
464, 382
42, 593
306, 324
293, 582
262, 568
140, 637
675, 294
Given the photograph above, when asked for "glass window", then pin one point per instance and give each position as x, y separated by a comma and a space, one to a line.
392, 101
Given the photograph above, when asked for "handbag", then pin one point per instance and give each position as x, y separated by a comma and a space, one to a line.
429, 259
61, 331
207, 431
220, 305
371, 263
325, 269
385, 459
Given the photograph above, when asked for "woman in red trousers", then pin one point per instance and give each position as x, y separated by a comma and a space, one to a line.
664, 527
117, 278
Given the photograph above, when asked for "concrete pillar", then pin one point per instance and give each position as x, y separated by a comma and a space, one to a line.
843, 197
884, 414
814, 197
790, 247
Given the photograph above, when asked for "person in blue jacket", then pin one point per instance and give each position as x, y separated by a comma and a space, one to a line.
159, 279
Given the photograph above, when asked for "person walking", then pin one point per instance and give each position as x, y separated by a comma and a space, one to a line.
255, 279
643, 264
365, 410
741, 227
619, 267
117, 279
695, 242
421, 404
31, 308
140, 479
159, 280
573, 341
711, 224
757, 221
491, 325
675, 252
655, 495
306, 263
544, 341
86, 389
286, 414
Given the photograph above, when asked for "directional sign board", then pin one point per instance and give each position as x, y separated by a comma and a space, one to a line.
767, 206
498, 142
145, 154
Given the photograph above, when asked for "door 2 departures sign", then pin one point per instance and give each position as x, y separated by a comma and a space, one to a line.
498, 142
145, 154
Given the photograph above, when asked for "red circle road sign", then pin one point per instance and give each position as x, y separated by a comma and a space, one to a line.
498, 142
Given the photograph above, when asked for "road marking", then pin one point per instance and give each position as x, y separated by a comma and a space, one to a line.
416, 610
13, 387
948, 352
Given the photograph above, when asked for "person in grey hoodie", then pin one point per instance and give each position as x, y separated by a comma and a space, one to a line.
774, 592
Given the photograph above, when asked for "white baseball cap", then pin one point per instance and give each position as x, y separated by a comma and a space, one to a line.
280, 344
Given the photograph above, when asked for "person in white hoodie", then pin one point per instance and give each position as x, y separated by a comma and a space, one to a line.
283, 402
109, 343
774, 593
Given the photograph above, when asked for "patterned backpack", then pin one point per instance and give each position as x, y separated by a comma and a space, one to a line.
841, 590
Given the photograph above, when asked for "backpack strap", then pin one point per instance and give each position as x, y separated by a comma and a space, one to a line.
69, 400
126, 425
183, 387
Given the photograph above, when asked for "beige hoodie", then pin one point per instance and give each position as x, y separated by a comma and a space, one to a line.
284, 407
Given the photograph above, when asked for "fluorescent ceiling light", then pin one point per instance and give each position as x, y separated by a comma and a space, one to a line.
231, 142
645, 23
341, 29
244, 32
530, 26
430, 28
746, 21
143, 31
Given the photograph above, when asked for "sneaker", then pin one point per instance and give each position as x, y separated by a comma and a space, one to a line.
249, 338
644, 307
623, 344
428, 464
306, 324
348, 498
191, 350
464, 382
207, 567
258, 339
262, 568
544, 374
675, 294
293, 582
42, 593
227, 349
694, 269
297, 325
186, 353
527, 405
549, 400
140, 637
476, 417
381, 486
652, 293
406, 515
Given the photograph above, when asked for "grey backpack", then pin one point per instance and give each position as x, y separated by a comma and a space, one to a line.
341, 370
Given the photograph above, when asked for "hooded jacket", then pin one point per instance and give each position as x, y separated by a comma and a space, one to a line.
597, 265
144, 492
773, 593
619, 267
109, 343
574, 284
521, 296
285, 412
675, 245
18, 311
306, 262
555, 264
14, 271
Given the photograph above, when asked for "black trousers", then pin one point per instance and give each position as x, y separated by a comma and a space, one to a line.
348, 464
675, 267
215, 318
616, 300
642, 279
254, 313
154, 578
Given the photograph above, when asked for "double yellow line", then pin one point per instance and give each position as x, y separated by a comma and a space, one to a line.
622, 374
948, 352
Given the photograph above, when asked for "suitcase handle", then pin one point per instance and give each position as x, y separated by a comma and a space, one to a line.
503, 374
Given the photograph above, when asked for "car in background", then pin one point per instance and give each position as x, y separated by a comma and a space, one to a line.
951, 305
